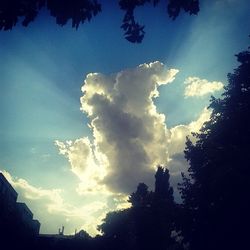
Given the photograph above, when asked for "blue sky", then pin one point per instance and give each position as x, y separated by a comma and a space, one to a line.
43, 67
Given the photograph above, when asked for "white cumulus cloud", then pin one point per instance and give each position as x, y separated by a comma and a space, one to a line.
127, 128
200, 87
130, 137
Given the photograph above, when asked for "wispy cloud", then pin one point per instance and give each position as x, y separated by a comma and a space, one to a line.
200, 87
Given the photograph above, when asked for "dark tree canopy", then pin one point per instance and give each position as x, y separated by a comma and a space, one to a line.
80, 11
118, 225
217, 199
134, 32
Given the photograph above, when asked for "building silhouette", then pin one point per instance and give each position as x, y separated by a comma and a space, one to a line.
15, 214
8, 196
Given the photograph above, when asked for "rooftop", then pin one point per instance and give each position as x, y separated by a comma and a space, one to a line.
6, 183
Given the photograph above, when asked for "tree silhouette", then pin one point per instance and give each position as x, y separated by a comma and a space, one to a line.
142, 197
142, 216
149, 223
134, 32
118, 228
217, 200
80, 11
163, 191
163, 209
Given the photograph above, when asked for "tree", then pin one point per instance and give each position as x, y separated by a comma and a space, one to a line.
142, 216
134, 32
154, 213
118, 229
81, 11
142, 197
164, 209
217, 198
149, 223
128, 228
163, 191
